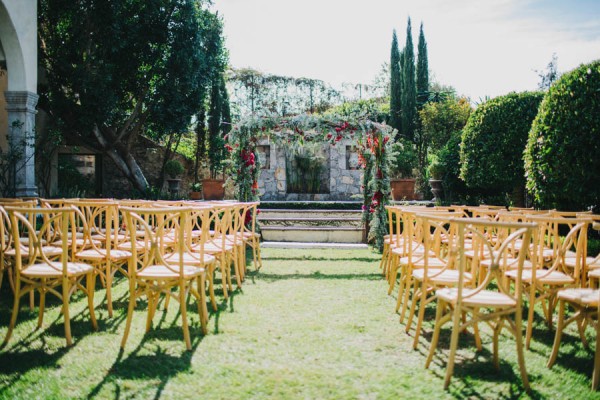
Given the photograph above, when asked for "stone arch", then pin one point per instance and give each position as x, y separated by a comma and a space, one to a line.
18, 38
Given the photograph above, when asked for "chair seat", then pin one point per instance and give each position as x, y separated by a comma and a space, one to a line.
126, 246
160, 272
419, 262
445, 277
582, 296
509, 263
485, 298
249, 235
190, 259
571, 260
46, 271
100, 254
543, 276
212, 248
49, 251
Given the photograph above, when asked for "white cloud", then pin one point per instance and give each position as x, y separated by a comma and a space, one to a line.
479, 47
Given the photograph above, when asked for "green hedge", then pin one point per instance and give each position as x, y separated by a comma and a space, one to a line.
562, 158
493, 142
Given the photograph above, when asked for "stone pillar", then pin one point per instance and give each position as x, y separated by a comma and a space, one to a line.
21, 137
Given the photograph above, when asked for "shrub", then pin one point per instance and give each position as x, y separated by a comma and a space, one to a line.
173, 168
440, 119
493, 141
403, 159
562, 159
455, 190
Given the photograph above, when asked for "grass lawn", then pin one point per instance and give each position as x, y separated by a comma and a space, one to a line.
312, 324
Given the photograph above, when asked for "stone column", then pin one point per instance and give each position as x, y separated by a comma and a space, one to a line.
21, 137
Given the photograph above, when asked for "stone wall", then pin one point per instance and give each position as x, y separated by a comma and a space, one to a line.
345, 179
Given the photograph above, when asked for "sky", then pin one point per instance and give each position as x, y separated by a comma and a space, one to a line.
480, 47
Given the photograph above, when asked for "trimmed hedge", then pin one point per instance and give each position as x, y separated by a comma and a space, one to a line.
493, 141
562, 158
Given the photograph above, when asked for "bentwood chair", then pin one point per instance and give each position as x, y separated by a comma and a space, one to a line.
585, 302
550, 273
493, 301
152, 275
101, 242
55, 272
250, 234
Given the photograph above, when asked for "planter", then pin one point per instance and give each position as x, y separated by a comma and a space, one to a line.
173, 185
403, 189
437, 189
213, 189
195, 195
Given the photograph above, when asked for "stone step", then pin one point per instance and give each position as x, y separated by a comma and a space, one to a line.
328, 214
312, 245
331, 234
298, 221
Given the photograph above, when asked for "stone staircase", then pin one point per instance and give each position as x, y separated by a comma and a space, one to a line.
316, 226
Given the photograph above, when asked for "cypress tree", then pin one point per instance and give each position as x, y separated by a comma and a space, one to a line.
225, 107
422, 71
215, 140
409, 89
395, 85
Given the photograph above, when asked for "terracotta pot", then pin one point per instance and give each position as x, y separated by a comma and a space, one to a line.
403, 189
437, 189
195, 195
213, 189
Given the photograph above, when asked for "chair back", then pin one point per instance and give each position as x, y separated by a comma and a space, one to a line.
498, 249
47, 226
157, 225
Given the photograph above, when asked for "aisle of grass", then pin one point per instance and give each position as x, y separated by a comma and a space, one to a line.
311, 324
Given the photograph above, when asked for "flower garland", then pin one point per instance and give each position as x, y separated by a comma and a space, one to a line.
372, 138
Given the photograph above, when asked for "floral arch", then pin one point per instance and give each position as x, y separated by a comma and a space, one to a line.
372, 139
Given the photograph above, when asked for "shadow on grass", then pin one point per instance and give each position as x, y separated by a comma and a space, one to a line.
321, 258
317, 275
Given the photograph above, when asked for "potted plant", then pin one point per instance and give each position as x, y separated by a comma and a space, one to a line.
173, 169
436, 173
403, 161
196, 191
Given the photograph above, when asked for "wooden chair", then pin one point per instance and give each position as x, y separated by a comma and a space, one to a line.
586, 303
550, 272
436, 268
152, 275
5, 244
250, 234
38, 269
101, 242
500, 302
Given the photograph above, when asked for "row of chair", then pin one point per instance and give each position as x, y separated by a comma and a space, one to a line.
170, 249
483, 262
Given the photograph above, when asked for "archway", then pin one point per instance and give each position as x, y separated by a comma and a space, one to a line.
18, 38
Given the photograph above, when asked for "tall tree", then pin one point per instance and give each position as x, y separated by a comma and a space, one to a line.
225, 107
216, 142
395, 85
120, 69
409, 89
422, 71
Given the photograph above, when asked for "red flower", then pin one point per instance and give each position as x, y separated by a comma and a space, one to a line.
255, 185
229, 148
329, 136
338, 129
338, 138
386, 139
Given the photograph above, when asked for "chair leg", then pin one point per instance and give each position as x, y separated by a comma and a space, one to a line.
42, 303
184, 322
596, 373
530, 316
90, 287
436, 331
222, 260
520, 355
420, 317
15, 312
66, 287
558, 334
109, 278
202, 310
413, 304
130, 308
453, 346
